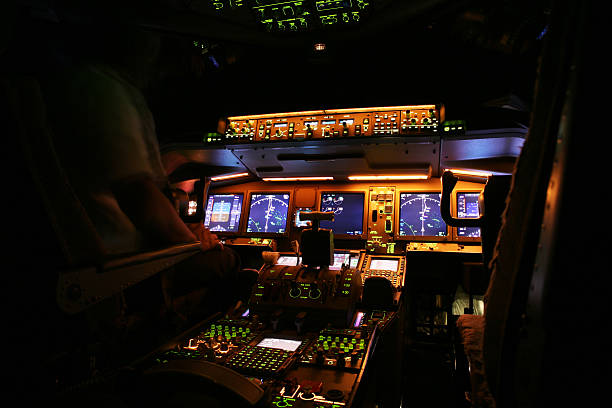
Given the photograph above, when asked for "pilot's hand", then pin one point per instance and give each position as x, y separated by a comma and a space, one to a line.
207, 239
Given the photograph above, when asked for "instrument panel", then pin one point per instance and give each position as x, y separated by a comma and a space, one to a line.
409, 120
295, 15
385, 216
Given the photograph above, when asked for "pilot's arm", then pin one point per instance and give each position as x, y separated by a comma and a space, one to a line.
151, 211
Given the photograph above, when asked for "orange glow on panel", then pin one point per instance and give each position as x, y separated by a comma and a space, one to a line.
374, 177
474, 173
229, 176
326, 178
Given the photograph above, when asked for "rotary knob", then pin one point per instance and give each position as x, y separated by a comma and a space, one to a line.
295, 290
314, 292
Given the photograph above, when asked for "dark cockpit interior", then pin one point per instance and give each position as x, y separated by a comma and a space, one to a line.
313, 203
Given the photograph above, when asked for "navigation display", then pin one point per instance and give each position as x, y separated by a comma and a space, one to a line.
467, 207
384, 264
223, 212
348, 212
420, 215
268, 212
283, 344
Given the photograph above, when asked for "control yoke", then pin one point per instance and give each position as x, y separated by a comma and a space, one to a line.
449, 181
317, 244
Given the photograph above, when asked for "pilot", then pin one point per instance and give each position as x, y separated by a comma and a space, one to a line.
105, 137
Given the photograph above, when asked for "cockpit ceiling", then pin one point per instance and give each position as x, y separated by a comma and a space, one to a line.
222, 61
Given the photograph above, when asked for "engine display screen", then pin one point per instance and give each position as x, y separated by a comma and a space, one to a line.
283, 344
420, 215
384, 264
268, 212
348, 212
467, 207
223, 212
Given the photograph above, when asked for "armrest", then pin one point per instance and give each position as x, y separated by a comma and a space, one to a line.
216, 374
81, 288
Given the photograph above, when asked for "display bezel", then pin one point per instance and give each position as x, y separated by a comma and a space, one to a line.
240, 222
248, 210
364, 215
411, 238
455, 212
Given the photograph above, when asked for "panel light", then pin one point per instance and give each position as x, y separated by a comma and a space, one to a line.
374, 177
473, 173
229, 176
318, 178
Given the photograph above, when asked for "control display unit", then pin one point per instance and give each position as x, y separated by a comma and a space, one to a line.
467, 207
419, 215
390, 267
348, 212
385, 264
268, 212
223, 212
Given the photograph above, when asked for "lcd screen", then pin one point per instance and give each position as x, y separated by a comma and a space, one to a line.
420, 215
283, 344
298, 221
223, 212
339, 259
467, 207
268, 212
288, 260
384, 264
348, 212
